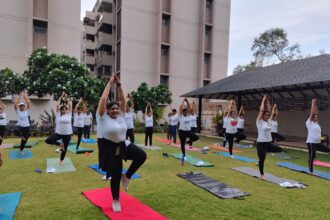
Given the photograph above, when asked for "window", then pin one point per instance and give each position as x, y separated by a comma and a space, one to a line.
40, 27
164, 80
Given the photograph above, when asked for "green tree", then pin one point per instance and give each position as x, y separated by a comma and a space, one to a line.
241, 68
10, 83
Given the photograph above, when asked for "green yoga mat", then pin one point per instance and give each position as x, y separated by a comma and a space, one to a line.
67, 166
81, 150
193, 160
27, 145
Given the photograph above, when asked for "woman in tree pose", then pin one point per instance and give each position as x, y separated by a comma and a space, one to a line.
273, 119
88, 122
174, 120
185, 128
168, 136
112, 143
78, 121
314, 136
129, 118
223, 132
264, 141
23, 122
3, 121
63, 129
149, 123
240, 120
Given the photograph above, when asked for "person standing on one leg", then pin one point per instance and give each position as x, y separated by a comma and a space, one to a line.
129, 118
193, 118
88, 122
174, 120
240, 120
3, 121
223, 131
264, 141
112, 143
273, 119
23, 123
78, 121
149, 123
168, 136
314, 136
63, 129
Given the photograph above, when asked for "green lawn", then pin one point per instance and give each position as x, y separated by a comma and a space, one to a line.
58, 196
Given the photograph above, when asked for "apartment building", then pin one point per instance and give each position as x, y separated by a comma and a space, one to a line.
31, 24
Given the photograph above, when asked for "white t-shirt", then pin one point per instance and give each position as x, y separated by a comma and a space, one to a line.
174, 120
149, 121
88, 119
3, 119
111, 129
193, 119
185, 123
225, 121
240, 123
314, 132
63, 124
231, 125
78, 120
264, 129
129, 119
274, 126
23, 118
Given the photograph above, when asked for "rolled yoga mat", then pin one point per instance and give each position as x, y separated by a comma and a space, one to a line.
14, 154
302, 169
287, 183
193, 160
237, 157
27, 145
8, 205
97, 169
213, 186
131, 208
81, 150
67, 165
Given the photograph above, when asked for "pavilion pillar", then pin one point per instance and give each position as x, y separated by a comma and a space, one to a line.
199, 118
239, 102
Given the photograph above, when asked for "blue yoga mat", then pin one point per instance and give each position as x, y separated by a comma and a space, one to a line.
88, 141
237, 157
302, 169
244, 146
97, 169
8, 205
14, 154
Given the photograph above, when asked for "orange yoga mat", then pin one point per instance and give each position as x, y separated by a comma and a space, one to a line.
215, 147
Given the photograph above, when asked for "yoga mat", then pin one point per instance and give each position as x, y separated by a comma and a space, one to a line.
244, 146
237, 157
88, 141
97, 169
302, 169
8, 205
213, 186
27, 145
81, 150
270, 178
149, 148
188, 148
322, 164
193, 160
215, 147
14, 154
131, 208
165, 141
10, 145
67, 166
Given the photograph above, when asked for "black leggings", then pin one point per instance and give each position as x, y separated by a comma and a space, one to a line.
2, 133
87, 131
149, 131
183, 135
193, 129
262, 149
230, 138
113, 164
80, 132
53, 140
22, 132
312, 148
277, 137
168, 133
173, 133
130, 135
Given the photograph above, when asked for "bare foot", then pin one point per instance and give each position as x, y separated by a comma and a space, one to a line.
61, 163
312, 173
262, 177
125, 182
21, 152
23, 138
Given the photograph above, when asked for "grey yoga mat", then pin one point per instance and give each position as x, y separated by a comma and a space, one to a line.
287, 183
213, 186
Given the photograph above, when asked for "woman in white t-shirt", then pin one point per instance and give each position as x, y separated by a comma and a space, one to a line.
112, 143
224, 125
273, 119
78, 121
264, 141
149, 124
314, 136
193, 117
3, 121
129, 119
23, 121
88, 122
168, 136
174, 120
63, 127
185, 128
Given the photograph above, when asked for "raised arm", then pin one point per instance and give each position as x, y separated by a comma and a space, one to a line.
3, 105
16, 102
101, 109
241, 111
152, 113
274, 112
233, 107
69, 105
262, 108
121, 94
314, 109
146, 110
27, 101
77, 106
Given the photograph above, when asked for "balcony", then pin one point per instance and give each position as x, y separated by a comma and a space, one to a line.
105, 18
104, 59
90, 30
90, 45
103, 6
104, 39
90, 60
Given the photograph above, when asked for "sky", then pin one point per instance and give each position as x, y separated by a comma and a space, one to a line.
306, 23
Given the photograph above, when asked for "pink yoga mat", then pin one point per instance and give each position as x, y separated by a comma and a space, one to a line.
320, 163
164, 140
187, 147
131, 208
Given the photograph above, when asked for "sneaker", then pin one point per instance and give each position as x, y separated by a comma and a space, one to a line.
125, 182
21, 152
58, 150
116, 206
232, 157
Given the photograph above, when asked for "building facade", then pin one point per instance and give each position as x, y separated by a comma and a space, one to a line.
31, 24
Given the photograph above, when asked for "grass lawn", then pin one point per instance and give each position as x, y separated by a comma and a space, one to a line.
58, 196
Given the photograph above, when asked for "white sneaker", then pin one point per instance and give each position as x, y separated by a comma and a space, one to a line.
58, 150
232, 157
116, 206
105, 177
